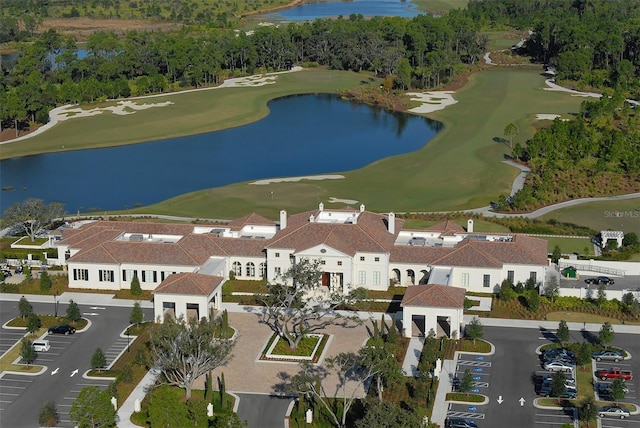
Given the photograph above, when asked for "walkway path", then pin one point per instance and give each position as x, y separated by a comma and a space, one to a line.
412, 357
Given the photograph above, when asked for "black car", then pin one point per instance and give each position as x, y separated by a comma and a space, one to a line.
599, 280
62, 329
460, 423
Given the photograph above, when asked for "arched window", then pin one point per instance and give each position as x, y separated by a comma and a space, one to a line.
237, 268
251, 269
262, 270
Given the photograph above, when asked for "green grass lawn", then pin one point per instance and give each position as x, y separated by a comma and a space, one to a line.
602, 215
441, 6
191, 113
460, 168
571, 245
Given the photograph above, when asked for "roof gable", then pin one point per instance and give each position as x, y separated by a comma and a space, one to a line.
189, 283
438, 296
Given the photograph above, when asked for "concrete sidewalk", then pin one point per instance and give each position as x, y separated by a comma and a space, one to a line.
412, 357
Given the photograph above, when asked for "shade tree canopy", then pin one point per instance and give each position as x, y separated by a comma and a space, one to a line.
294, 306
32, 216
183, 351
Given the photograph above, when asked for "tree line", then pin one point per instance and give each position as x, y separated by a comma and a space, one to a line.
596, 154
595, 43
422, 52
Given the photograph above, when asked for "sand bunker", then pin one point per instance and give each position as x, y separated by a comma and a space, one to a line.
552, 86
121, 109
333, 200
548, 116
255, 80
431, 101
308, 177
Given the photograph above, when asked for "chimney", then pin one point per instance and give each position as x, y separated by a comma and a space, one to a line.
361, 208
321, 207
470, 226
311, 218
391, 224
283, 219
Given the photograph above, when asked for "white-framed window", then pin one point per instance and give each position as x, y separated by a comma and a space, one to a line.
237, 268
323, 262
81, 274
277, 255
534, 276
262, 270
376, 277
486, 280
339, 262
148, 276
511, 276
251, 269
278, 271
362, 277
465, 280
105, 275
377, 259
361, 258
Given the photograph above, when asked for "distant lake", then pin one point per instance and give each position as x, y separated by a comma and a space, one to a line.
302, 135
327, 9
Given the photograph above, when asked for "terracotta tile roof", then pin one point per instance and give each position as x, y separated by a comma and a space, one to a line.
189, 283
446, 226
138, 252
438, 296
468, 254
250, 219
418, 254
368, 234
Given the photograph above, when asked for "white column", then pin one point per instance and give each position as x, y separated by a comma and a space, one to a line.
406, 322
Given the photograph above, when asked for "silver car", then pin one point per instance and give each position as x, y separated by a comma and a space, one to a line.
613, 412
609, 355
558, 366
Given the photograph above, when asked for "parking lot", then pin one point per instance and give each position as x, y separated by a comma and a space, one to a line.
480, 367
68, 358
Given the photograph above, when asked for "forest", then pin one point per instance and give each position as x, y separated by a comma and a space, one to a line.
423, 52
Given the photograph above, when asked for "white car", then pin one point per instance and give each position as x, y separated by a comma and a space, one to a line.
613, 412
558, 366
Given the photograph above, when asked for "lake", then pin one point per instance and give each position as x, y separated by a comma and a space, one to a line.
302, 135
327, 9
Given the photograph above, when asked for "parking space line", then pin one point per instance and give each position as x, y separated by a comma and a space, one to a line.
465, 415
8, 379
474, 363
18, 387
9, 393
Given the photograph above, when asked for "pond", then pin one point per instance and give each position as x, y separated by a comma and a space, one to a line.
327, 9
302, 135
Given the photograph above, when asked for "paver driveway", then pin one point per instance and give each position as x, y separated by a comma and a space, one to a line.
246, 373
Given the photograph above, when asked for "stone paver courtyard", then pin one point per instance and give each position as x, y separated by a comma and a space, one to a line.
246, 373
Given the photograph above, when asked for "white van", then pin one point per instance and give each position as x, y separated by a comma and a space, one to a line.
41, 345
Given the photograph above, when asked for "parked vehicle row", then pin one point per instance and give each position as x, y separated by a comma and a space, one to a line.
608, 355
605, 280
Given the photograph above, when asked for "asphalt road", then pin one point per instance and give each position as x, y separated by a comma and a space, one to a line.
21, 397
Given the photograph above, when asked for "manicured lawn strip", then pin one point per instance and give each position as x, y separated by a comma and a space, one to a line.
391, 293
305, 347
460, 168
49, 321
571, 245
584, 379
458, 396
571, 316
242, 286
6, 362
601, 215
191, 113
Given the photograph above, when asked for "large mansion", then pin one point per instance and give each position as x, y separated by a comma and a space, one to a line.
185, 264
